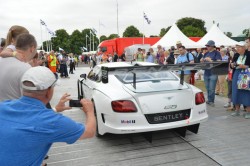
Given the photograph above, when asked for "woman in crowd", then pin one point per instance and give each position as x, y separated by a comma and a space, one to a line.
241, 61
220, 86
229, 78
12, 34
150, 56
167, 58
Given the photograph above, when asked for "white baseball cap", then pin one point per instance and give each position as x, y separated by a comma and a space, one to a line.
40, 76
241, 43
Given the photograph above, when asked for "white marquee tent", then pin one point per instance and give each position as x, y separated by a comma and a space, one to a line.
172, 36
217, 36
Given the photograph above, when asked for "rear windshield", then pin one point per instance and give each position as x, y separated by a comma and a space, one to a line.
147, 76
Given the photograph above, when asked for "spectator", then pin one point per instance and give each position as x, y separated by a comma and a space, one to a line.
220, 86
210, 78
167, 58
2, 44
161, 58
176, 54
199, 54
71, 63
139, 55
172, 49
53, 62
178, 44
123, 57
199, 73
158, 53
63, 64
40, 127
229, 84
240, 61
25, 50
185, 57
12, 35
115, 57
105, 58
150, 56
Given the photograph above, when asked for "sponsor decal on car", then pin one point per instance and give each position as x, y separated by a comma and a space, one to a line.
201, 112
170, 107
127, 121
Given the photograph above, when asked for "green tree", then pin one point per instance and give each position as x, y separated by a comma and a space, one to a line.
246, 32
86, 35
164, 31
229, 34
131, 31
103, 37
76, 42
191, 31
113, 36
196, 23
61, 40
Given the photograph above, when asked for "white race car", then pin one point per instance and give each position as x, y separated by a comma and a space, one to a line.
133, 100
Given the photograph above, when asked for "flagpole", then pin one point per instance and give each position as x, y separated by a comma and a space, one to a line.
93, 42
86, 42
51, 43
47, 42
99, 32
143, 29
117, 19
41, 34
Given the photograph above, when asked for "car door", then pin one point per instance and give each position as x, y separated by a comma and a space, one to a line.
89, 84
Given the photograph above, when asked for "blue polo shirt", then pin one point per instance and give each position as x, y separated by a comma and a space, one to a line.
28, 129
215, 56
183, 59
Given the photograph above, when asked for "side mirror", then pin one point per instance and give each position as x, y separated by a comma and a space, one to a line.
83, 76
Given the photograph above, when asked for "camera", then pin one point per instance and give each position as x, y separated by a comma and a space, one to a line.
75, 103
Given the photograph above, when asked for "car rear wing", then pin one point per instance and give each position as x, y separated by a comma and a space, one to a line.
219, 68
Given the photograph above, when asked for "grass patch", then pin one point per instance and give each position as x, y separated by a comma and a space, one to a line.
201, 85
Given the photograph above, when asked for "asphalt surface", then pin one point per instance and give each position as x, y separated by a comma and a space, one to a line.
222, 140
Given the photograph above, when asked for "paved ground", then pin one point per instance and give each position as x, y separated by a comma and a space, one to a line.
222, 140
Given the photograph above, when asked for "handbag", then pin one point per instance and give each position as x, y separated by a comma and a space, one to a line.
243, 81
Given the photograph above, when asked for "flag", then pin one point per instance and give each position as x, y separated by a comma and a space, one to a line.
146, 18
52, 33
94, 31
42, 22
85, 48
101, 24
60, 49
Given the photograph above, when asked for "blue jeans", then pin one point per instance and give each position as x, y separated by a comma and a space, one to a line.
210, 83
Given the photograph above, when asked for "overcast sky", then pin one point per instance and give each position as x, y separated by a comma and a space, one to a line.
232, 15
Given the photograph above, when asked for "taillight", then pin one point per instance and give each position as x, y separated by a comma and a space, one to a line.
123, 106
199, 98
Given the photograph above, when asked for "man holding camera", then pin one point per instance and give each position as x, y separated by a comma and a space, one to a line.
28, 128
185, 57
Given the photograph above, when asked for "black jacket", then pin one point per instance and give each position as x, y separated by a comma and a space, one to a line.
236, 56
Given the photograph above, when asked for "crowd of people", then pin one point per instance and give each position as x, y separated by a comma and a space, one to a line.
28, 79
237, 56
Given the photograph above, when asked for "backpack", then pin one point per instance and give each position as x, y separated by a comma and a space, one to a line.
195, 61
